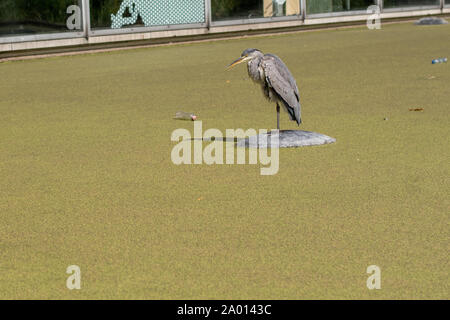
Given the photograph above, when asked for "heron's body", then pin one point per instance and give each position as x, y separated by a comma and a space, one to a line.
277, 83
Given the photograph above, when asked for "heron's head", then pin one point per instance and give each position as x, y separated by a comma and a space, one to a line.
247, 55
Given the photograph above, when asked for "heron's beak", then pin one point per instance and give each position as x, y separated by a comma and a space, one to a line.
237, 61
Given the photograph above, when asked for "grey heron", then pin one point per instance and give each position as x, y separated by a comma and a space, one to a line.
276, 81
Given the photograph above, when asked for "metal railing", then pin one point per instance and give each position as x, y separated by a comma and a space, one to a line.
87, 32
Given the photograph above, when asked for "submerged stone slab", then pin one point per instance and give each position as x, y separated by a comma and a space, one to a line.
430, 21
285, 139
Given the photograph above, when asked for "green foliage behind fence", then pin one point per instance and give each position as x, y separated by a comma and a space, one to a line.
43, 11
324, 6
101, 11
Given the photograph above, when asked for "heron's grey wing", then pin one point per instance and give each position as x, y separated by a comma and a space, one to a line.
283, 83
285, 73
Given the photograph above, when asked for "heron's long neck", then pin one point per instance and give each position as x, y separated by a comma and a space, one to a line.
253, 69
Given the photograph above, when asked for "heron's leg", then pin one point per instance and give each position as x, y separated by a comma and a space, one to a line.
278, 116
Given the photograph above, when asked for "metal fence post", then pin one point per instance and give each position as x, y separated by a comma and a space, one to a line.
303, 9
208, 13
86, 18
380, 4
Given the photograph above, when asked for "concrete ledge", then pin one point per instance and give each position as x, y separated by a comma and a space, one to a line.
256, 26
336, 19
405, 14
147, 35
5, 47
117, 40
17, 46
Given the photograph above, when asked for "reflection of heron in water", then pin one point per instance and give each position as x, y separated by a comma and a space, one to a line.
276, 80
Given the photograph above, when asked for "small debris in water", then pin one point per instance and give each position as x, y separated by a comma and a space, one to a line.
430, 21
439, 60
416, 109
180, 115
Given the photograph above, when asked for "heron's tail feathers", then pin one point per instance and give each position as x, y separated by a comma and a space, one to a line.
294, 113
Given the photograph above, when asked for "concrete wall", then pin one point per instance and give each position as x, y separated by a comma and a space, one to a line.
211, 29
